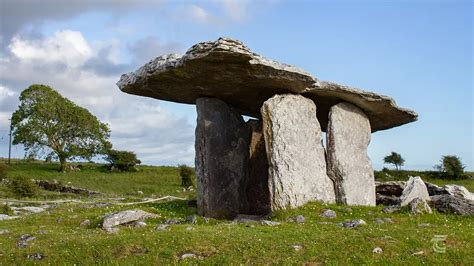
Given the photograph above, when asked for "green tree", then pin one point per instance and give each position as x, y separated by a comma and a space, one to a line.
122, 160
451, 166
46, 121
395, 159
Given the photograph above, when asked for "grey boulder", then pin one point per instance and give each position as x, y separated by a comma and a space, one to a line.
349, 166
293, 141
125, 217
415, 188
419, 206
453, 204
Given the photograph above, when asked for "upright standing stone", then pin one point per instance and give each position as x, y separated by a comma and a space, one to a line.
349, 166
293, 141
221, 159
257, 187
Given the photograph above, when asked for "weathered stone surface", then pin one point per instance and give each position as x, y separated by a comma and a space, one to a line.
459, 191
125, 217
4, 217
257, 191
221, 159
228, 70
435, 189
453, 204
387, 200
349, 166
419, 206
390, 188
415, 188
293, 141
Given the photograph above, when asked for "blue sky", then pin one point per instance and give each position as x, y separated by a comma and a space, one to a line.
418, 52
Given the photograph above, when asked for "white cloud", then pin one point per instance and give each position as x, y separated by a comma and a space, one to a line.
69, 63
197, 14
68, 47
236, 10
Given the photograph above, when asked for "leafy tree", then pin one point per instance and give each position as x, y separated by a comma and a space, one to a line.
122, 160
186, 174
46, 121
395, 159
451, 166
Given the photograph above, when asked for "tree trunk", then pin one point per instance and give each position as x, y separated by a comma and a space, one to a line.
62, 162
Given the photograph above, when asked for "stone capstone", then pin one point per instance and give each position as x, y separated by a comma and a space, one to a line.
258, 194
221, 159
293, 141
349, 166
228, 70
415, 188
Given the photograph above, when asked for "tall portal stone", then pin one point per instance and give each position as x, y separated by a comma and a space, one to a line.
349, 166
258, 194
221, 159
293, 141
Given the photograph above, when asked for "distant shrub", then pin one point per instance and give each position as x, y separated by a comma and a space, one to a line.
23, 187
5, 209
451, 167
186, 174
3, 170
122, 160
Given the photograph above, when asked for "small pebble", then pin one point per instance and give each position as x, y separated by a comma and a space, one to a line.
86, 222
377, 250
161, 227
329, 214
297, 247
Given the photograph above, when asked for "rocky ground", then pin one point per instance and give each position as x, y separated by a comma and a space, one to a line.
145, 228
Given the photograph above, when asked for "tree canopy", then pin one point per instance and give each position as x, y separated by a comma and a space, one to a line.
48, 122
395, 159
452, 167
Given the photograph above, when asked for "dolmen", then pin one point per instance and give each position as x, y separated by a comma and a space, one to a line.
276, 159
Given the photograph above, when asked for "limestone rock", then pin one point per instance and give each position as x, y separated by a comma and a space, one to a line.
390, 188
328, 213
460, 191
453, 204
415, 188
435, 189
349, 166
221, 159
293, 141
124, 217
4, 217
228, 70
419, 206
258, 195
387, 200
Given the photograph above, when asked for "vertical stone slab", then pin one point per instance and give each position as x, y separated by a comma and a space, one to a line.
293, 140
349, 166
221, 159
258, 194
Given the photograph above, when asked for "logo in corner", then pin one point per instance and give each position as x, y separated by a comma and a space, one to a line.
438, 245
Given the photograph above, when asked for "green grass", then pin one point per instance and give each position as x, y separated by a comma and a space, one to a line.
221, 242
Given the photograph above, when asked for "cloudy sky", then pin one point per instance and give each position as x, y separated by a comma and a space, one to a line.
418, 52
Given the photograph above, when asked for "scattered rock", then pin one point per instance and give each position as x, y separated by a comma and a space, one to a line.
328, 213
161, 227
297, 247
349, 166
4, 231
270, 223
24, 239
124, 217
377, 250
29, 209
347, 209
189, 228
35, 256
391, 209
419, 206
387, 200
4, 217
459, 191
172, 221
111, 230
390, 188
140, 192
56, 186
189, 256
424, 225
192, 219
222, 151
138, 224
299, 219
42, 232
415, 188
353, 223
418, 253
297, 164
86, 222
453, 204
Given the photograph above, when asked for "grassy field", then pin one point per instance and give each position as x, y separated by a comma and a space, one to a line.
406, 240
